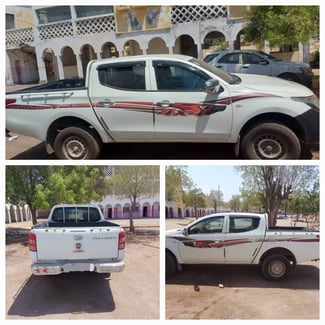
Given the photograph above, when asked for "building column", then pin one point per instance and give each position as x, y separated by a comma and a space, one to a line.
41, 66
60, 67
79, 66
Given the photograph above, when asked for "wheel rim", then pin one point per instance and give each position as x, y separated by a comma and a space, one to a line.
269, 147
277, 269
75, 148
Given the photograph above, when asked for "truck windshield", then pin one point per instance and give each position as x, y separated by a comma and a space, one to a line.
229, 78
75, 214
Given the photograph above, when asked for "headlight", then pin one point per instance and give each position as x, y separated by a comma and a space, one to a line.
312, 101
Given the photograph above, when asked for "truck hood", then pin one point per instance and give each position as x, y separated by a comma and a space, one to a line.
174, 232
273, 85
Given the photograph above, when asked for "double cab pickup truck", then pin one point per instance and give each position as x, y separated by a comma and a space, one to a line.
168, 98
76, 238
241, 238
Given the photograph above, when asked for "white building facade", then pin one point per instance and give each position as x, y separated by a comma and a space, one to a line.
64, 39
117, 208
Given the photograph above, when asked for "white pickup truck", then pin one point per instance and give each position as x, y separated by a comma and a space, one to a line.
241, 238
167, 98
76, 238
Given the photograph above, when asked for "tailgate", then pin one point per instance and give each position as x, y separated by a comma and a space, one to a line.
77, 243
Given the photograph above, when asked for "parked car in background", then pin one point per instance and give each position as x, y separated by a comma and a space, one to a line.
258, 62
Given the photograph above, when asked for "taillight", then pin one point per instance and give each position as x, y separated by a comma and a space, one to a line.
121, 240
32, 242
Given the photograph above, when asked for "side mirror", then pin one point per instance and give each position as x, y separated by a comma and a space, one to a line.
185, 232
212, 86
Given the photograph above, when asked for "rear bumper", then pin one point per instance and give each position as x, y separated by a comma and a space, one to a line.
54, 269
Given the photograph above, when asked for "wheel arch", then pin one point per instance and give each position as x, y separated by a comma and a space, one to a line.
64, 122
279, 251
178, 265
283, 119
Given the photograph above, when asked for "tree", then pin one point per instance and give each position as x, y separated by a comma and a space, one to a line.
274, 184
44, 186
133, 182
215, 199
282, 25
21, 185
195, 198
234, 203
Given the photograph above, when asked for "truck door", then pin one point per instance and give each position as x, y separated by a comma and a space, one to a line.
203, 242
183, 110
118, 95
243, 239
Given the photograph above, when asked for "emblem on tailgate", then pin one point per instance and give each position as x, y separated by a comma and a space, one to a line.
77, 237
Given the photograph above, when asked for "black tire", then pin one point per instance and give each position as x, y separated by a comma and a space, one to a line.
171, 267
77, 143
276, 268
270, 141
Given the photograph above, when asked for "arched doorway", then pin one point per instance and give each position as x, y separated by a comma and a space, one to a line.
184, 44
132, 48
109, 50
69, 63
87, 54
157, 46
215, 41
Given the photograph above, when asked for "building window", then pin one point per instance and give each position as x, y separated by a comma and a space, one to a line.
10, 21
53, 14
88, 11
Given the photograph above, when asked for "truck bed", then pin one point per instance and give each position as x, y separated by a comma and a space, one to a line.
52, 224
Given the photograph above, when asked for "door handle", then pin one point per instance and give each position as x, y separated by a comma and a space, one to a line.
105, 103
164, 104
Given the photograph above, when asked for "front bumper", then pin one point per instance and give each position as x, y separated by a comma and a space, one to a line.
309, 122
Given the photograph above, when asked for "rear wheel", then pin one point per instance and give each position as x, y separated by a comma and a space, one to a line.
76, 143
276, 267
270, 141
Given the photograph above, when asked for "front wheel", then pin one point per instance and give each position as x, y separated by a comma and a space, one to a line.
76, 143
270, 141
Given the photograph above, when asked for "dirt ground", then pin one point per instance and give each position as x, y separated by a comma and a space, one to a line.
131, 294
240, 292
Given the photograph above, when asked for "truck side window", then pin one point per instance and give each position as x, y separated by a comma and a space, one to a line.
207, 226
243, 223
176, 76
124, 76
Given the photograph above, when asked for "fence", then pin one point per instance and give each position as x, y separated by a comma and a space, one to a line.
16, 213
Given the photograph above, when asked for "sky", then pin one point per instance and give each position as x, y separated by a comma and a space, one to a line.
208, 177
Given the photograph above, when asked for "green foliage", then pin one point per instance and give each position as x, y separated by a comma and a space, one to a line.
44, 186
282, 25
273, 185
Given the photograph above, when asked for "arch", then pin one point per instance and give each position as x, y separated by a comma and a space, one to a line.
87, 54
157, 46
109, 50
132, 47
69, 63
155, 213
184, 44
108, 211
117, 211
146, 210
215, 40
126, 210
